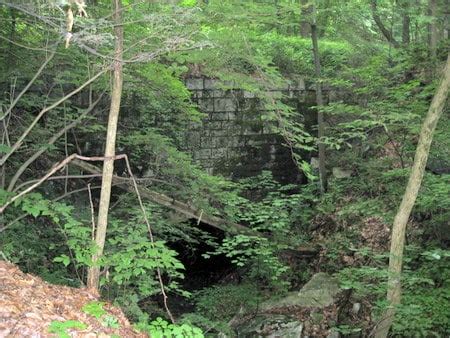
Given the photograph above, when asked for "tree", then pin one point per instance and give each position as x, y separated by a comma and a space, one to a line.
386, 32
320, 104
108, 164
433, 32
406, 21
409, 198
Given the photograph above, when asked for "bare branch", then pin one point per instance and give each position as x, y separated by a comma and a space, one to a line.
45, 110
13, 104
51, 141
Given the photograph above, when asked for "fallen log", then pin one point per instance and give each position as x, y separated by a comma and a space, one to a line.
171, 203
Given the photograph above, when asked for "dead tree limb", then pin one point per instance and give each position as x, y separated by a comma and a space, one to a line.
169, 202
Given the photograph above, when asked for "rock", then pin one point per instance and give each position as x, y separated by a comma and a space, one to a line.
334, 334
272, 326
338, 172
356, 307
314, 162
319, 292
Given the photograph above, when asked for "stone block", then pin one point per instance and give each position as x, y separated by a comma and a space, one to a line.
232, 129
218, 133
206, 105
210, 84
205, 142
219, 153
249, 95
208, 94
218, 116
219, 142
202, 154
217, 93
192, 140
194, 83
225, 105
213, 125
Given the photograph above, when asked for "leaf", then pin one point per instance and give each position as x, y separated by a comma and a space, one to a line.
63, 259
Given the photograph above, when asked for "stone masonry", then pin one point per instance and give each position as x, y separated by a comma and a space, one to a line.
236, 138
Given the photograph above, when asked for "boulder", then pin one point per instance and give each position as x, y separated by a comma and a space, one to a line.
321, 291
272, 326
339, 173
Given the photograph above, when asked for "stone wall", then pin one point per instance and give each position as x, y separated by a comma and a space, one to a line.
235, 139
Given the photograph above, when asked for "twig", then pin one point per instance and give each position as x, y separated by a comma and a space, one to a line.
149, 228
54, 169
66, 161
51, 141
13, 104
57, 178
45, 110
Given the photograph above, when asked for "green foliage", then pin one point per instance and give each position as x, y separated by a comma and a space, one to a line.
426, 286
160, 328
94, 309
378, 98
221, 302
60, 328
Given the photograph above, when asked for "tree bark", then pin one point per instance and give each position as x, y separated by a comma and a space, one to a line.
432, 8
305, 13
409, 198
108, 164
320, 104
406, 22
386, 33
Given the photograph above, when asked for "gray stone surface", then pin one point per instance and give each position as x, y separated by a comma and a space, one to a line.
194, 83
237, 123
339, 173
319, 292
270, 326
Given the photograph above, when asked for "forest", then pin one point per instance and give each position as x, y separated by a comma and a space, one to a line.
224, 168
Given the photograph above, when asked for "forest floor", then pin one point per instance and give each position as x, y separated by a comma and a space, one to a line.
31, 307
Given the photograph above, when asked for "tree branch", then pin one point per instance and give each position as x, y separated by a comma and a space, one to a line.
45, 110
386, 33
51, 141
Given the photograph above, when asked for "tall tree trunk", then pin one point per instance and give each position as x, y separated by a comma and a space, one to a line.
320, 104
446, 34
432, 8
409, 198
406, 22
305, 13
108, 164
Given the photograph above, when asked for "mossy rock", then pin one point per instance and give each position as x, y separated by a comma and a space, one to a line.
321, 291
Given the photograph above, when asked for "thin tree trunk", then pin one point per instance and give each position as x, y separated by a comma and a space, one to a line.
432, 7
305, 13
320, 104
406, 22
108, 164
409, 198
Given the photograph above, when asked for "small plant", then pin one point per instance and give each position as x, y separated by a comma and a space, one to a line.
94, 309
110, 321
160, 328
60, 328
